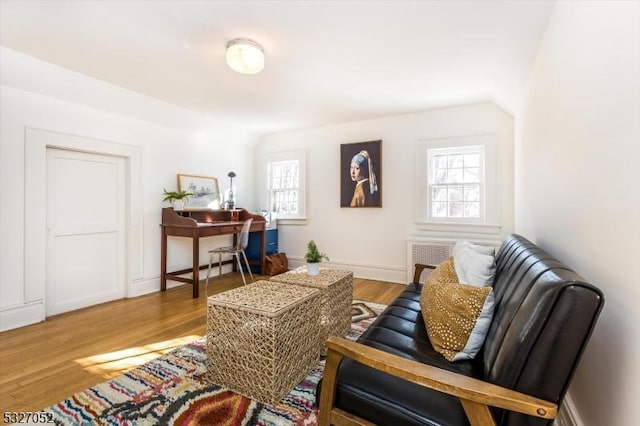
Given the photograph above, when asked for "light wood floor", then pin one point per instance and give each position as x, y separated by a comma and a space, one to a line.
44, 363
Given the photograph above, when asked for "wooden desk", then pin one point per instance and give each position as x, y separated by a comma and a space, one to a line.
197, 224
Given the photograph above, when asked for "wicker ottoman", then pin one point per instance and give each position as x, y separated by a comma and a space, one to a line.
262, 339
336, 295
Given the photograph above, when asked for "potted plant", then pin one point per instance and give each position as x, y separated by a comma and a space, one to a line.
177, 198
313, 258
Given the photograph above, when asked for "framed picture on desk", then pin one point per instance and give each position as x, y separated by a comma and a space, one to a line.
205, 190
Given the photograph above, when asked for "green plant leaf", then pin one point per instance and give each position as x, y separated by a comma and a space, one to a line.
175, 195
313, 254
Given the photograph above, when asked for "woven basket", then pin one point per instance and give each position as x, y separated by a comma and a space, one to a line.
336, 295
262, 339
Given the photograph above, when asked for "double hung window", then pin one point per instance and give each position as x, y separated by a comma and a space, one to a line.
285, 189
456, 184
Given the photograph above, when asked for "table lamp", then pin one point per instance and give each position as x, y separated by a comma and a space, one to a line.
230, 202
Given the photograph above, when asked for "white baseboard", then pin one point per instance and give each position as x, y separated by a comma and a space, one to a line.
143, 286
151, 285
18, 316
568, 414
369, 271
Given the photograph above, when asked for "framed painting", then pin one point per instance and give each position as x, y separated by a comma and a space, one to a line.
360, 174
205, 190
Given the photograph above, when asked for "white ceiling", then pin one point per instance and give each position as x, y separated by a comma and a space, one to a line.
326, 61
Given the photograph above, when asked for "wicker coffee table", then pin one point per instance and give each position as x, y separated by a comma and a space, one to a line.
263, 338
336, 295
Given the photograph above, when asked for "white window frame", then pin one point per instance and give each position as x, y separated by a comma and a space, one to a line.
489, 222
431, 153
287, 156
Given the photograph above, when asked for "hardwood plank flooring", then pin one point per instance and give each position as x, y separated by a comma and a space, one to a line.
47, 362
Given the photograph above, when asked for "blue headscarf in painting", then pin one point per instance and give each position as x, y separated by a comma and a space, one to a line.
363, 161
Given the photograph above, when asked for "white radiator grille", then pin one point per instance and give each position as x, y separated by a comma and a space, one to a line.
432, 252
427, 252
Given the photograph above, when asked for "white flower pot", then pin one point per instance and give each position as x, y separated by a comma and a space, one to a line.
178, 205
313, 268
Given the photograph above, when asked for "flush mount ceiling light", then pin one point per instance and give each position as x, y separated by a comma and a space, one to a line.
245, 56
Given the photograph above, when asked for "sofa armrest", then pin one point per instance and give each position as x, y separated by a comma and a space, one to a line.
419, 267
475, 395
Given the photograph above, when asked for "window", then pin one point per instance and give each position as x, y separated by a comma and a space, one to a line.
285, 189
456, 183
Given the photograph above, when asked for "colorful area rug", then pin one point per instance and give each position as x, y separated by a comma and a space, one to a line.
171, 390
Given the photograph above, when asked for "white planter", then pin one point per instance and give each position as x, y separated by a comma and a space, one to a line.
178, 205
313, 268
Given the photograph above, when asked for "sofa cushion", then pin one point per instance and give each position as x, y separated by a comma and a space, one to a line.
457, 317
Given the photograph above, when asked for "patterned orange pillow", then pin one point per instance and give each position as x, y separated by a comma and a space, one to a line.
445, 272
457, 316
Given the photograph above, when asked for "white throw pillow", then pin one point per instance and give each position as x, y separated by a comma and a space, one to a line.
473, 267
461, 245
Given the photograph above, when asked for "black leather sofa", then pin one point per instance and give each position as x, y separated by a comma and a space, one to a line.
543, 318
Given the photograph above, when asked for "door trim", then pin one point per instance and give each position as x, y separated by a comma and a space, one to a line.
36, 143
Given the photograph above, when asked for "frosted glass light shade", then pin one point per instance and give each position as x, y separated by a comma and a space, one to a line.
245, 56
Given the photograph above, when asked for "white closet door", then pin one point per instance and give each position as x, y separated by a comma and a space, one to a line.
85, 230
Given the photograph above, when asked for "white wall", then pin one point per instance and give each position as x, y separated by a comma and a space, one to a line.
164, 153
578, 185
372, 241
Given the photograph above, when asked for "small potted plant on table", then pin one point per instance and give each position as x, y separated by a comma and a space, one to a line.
177, 198
313, 258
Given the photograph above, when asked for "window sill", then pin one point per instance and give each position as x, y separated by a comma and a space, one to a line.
292, 221
466, 228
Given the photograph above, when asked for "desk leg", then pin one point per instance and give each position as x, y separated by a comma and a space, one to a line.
196, 266
263, 252
163, 261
